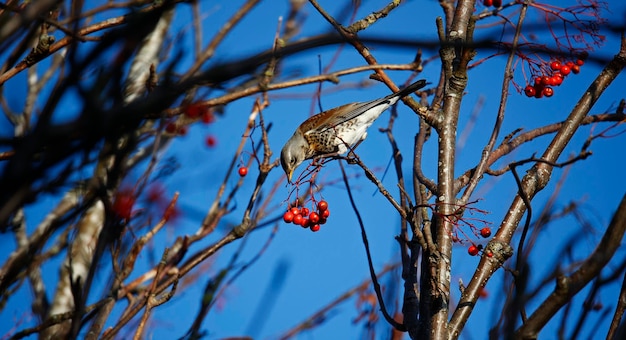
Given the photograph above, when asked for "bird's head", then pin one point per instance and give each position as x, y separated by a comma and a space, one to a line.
293, 154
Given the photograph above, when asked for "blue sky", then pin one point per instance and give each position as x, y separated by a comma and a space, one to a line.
319, 267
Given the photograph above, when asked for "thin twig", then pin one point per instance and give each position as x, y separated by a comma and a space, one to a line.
379, 295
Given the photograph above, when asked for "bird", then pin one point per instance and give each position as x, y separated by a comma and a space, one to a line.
335, 131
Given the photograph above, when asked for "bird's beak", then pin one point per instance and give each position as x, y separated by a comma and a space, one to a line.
289, 176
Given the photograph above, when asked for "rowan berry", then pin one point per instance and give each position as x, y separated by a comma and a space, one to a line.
297, 219
473, 250
211, 141
305, 222
315, 227
243, 171
314, 217
288, 217
123, 204
530, 91
485, 232
208, 117
322, 205
548, 92
193, 111
555, 65
170, 128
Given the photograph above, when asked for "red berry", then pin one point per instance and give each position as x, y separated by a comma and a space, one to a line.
288, 217
170, 128
537, 80
295, 211
155, 193
194, 110
575, 69
555, 65
314, 217
208, 117
305, 222
497, 3
487, 2
315, 227
485, 232
545, 80
297, 219
539, 92
489, 253
569, 64
529, 91
211, 141
322, 205
565, 70
183, 130
325, 213
557, 79
580, 62
548, 92
243, 171
473, 250
305, 212
322, 220
123, 204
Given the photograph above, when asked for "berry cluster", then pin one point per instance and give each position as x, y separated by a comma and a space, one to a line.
543, 84
306, 218
494, 3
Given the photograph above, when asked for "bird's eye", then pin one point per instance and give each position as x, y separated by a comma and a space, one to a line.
292, 160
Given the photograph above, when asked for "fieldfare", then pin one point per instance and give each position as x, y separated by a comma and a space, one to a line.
335, 131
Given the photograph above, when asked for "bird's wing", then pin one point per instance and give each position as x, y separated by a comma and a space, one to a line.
329, 119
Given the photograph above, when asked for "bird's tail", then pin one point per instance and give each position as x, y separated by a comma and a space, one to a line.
410, 89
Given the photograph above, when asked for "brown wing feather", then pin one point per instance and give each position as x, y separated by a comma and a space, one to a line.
351, 111
330, 118
326, 119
